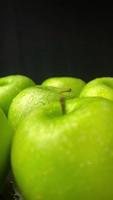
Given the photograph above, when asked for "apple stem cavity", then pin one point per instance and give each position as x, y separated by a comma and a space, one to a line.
63, 105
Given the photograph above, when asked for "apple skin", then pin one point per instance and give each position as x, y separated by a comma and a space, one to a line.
102, 86
6, 134
64, 156
10, 86
64, 84
29, 99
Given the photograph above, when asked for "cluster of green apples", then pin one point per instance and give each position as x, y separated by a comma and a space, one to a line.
57, 137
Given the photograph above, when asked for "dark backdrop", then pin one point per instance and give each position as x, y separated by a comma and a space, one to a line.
56, 39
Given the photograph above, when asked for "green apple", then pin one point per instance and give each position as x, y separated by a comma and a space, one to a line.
102, 86
27, 100
10, 86
69, 86
6, 134
66, 154
43, 94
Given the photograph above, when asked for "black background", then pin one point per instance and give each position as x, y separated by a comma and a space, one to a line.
56, 38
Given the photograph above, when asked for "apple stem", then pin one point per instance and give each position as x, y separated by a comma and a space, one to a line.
66, 90
63, 106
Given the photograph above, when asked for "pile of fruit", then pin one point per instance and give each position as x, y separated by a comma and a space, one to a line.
56, 138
